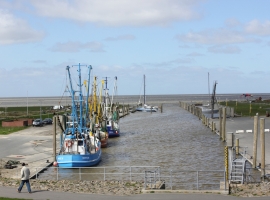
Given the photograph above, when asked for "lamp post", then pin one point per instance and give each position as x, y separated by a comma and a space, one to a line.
27, 103
40, 109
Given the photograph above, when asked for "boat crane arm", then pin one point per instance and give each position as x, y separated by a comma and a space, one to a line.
74, 113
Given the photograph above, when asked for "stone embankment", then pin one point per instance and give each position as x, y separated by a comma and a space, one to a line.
250, 190
92, 187
122, 188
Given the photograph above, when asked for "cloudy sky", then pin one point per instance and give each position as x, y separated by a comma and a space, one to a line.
175, 43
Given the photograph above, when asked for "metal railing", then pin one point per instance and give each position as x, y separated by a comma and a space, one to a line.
174, 180
127, 173
194, 179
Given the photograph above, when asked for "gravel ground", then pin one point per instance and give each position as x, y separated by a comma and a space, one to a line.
92, 187
250, 190
123, 188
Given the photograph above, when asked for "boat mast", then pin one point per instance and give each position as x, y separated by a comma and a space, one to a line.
106, 97
114, 91
80, 96
74, 111
87, 95
213, 99
95, 98
74, 114
144, 89
100, 106
208, 88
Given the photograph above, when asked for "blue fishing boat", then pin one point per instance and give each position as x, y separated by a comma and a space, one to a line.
113, 127
112, 116
78, 146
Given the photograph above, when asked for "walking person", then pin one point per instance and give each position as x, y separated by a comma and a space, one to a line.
25, 175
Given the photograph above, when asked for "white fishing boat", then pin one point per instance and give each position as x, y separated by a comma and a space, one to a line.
144, 107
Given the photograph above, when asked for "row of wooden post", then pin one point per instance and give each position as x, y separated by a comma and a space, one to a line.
198, 112
222, 131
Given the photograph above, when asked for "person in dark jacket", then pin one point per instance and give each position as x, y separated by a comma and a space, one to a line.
25, 175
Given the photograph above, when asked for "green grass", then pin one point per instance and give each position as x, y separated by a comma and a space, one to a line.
248, 109
8, 130
16, 113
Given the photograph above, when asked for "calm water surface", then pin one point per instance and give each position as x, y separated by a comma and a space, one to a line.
174, 140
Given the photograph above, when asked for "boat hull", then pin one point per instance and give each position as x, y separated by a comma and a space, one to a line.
77, 160
104, 142
146, 110
113, 132
208, 110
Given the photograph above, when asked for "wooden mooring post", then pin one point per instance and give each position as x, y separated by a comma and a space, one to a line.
224, 124
262, 137
255, 139
220, 123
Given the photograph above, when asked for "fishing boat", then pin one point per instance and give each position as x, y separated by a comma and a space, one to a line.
111, 112
144, 107
78, 147
96, 108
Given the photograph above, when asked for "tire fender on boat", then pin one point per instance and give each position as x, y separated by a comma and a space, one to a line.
69, 143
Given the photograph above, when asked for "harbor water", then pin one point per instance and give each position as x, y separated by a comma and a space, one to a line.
175, 140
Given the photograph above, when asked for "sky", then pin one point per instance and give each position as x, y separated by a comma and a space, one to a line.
181, 46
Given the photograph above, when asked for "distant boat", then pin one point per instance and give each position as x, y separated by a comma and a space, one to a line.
211, 108
145, 107
208, 110
78, 148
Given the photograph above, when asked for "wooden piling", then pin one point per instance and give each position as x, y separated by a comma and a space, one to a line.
232, 112
54, 138
220, 123
237, 146
203, 118
255, 139
224, 124
262, 138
